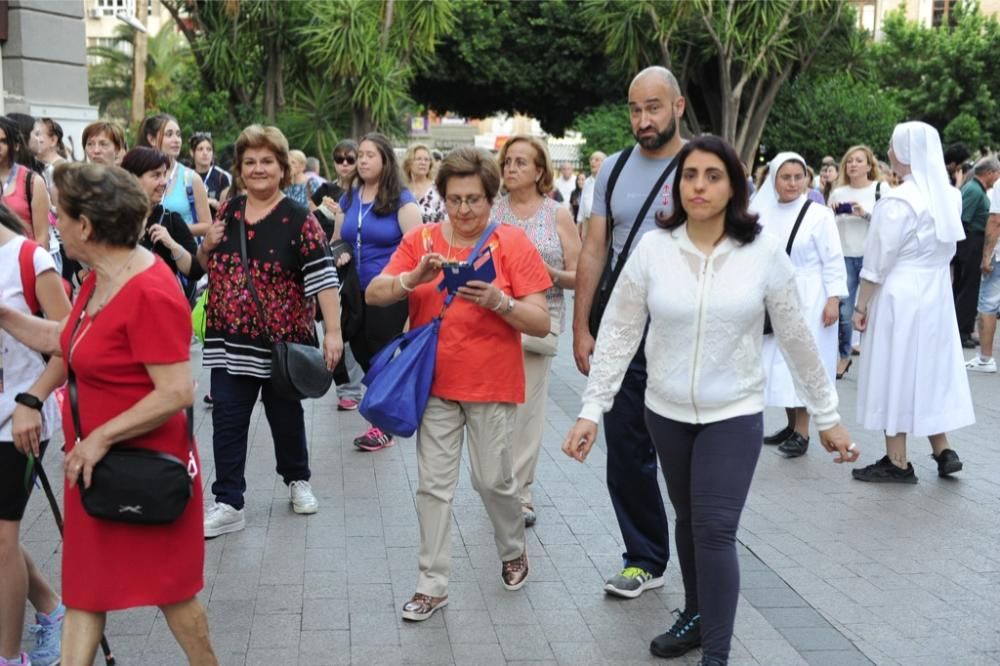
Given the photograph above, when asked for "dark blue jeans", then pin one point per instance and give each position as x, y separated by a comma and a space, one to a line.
853, 266
708, 468
632, 474
234, 398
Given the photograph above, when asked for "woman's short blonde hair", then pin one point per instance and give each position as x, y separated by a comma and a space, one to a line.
546, 182
110, 197
873, 171
262, 136
297, 156
411, 154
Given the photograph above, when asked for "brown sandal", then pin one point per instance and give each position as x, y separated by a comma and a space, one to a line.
421, 606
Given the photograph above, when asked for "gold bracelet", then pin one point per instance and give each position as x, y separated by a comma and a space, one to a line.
403, 284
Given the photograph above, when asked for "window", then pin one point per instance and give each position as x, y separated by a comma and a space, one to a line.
943, 13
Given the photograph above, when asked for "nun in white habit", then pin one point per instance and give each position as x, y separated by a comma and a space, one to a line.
821, 279
912, 376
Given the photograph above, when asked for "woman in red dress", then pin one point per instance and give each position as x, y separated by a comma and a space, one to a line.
128, 343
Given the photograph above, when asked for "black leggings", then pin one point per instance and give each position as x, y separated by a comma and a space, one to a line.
708, 469
380, 325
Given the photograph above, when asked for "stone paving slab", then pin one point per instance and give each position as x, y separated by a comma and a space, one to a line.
834, 571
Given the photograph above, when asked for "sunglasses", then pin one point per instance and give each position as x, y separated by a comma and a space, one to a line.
341, 159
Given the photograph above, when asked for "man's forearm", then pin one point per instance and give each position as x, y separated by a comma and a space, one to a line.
992, 234
588, 274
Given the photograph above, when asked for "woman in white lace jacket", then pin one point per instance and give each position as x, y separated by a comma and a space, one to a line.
703, 281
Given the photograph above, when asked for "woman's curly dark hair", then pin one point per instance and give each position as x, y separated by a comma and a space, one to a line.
741, 225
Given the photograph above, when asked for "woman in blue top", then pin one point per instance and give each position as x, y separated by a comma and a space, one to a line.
185, 194
375, 213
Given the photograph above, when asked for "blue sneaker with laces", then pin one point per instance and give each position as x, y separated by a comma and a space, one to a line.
48, 637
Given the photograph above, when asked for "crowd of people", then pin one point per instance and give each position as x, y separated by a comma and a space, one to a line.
700, 298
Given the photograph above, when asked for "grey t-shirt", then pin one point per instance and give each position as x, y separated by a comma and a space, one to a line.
634, 183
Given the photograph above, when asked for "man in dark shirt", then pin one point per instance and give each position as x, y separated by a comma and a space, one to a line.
969, 253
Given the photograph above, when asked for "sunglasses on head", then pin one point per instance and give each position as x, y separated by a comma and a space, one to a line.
340, 159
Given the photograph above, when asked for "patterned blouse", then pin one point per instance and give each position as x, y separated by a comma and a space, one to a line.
290, 263
431, 206
541, 230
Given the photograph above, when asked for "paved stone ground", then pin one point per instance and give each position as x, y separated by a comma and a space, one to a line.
834, 571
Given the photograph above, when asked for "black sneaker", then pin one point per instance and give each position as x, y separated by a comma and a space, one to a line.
885, 472
710, 661
947, 462
794, 446
679, 639
779, 436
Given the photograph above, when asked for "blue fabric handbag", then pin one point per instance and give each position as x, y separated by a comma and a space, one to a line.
401, 373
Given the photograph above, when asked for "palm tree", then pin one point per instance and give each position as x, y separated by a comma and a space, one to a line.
110, 74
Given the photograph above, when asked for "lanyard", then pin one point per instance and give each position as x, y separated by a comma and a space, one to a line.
10, 178
362, 211
208, 175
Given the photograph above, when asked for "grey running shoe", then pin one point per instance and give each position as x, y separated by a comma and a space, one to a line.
632, 582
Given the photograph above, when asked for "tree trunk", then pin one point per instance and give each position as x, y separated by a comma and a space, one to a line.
361, 121
272, 75
139, 51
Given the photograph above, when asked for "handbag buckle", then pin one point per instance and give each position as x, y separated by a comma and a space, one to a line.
192, 466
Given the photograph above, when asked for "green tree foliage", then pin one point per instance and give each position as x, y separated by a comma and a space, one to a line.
936, 74
731, 57
963, 128
817, 116
606, 128
537, 58
110, 77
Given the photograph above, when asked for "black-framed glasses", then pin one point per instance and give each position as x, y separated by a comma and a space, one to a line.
341, 159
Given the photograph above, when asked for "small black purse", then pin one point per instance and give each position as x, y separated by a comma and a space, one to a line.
298, 371
135, 485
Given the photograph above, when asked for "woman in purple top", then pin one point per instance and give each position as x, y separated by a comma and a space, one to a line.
375, 213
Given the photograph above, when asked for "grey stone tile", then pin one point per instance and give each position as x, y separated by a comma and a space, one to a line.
816, 638
782, 618
318, 648
836, 658
523, 642
774, 598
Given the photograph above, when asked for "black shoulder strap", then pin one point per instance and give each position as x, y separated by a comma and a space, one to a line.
795, 227
620, 263
878, 191
616, 171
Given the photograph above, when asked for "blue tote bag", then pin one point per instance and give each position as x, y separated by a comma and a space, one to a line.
401, 373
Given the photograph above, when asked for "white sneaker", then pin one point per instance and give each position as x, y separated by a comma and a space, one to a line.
977, 364
303, 500
221, 519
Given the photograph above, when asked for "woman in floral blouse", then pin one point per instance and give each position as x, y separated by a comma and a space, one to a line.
290, 263
417, 168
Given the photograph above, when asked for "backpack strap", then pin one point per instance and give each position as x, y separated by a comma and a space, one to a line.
878, 191
189, 188
612, 180
26, 260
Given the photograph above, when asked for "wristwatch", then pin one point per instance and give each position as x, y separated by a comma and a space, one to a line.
29, 400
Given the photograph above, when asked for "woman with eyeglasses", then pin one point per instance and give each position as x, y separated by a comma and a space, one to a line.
821, 280
185, 193
215, 179
527, 176
375, 214
417, 169
478, 371
326, 199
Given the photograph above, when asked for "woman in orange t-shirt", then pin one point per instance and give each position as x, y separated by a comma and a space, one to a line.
479, 372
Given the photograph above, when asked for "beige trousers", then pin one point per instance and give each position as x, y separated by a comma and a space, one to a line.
529, 422
439, 459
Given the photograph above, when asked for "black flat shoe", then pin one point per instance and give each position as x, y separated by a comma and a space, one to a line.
840, 375
779, 436
794, 446
947, 463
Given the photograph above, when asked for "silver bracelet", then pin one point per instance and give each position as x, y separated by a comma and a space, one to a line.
180, 253
403, 284
499, 304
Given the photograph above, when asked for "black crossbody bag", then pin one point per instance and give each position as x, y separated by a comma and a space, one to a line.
298, 371
613, 269
768, 329
130, 484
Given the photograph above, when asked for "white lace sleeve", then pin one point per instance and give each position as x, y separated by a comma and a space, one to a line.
621, 333
892, 221
812, 384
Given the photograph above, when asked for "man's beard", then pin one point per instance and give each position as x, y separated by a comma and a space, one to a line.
660, 139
